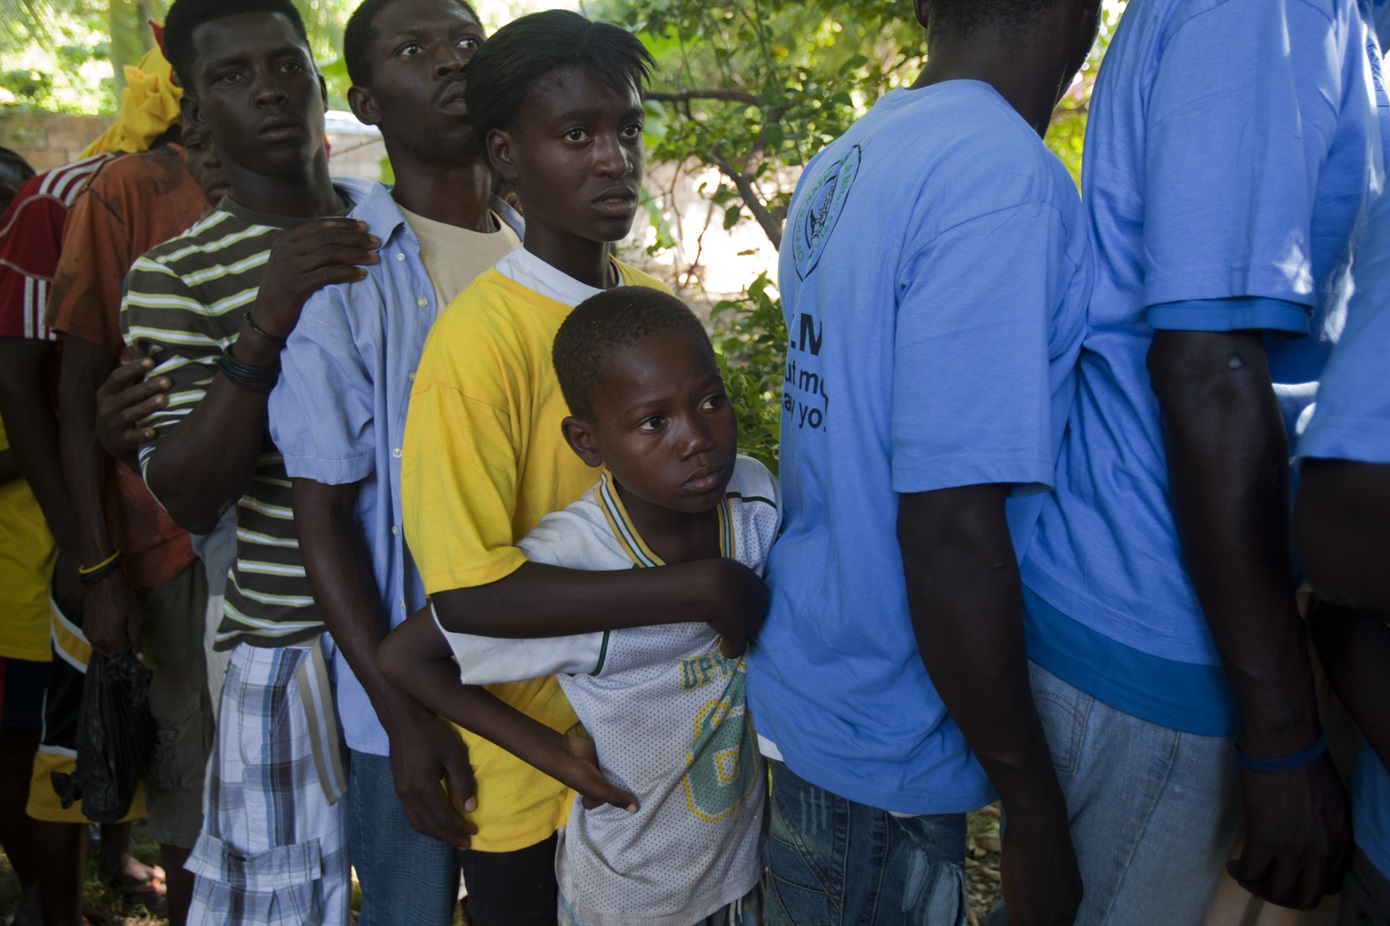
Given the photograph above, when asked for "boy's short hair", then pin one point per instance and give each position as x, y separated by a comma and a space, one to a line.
361, 30
964, 17
185, 16
609, 322
503, 73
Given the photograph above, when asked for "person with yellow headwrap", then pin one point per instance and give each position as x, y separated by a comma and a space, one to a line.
74, 231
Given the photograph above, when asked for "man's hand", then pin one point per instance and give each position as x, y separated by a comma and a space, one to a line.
427, 755
305, 260
744, 602
123, 401
1297, 837
579, 770
1039, 874
111, 616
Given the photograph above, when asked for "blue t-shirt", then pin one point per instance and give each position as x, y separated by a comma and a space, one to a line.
1352, 422
934, 276
1232, 148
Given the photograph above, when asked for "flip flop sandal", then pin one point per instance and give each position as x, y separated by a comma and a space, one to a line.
148, 893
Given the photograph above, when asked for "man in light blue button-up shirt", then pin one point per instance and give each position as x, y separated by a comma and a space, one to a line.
338, 415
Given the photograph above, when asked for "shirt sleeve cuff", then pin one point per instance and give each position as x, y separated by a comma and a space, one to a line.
1242, 313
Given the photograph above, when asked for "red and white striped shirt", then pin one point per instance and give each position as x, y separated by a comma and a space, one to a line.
31, 238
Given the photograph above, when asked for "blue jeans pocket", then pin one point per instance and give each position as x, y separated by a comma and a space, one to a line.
799, 888
1063, 711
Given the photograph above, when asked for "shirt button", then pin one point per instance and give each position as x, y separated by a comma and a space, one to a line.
412, 376
400, 256
422, 302
402, 605
395, 531
396, 453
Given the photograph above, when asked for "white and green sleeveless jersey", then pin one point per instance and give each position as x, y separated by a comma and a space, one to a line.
667, 715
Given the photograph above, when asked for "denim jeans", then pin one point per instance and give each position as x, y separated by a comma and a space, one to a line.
1154, 811
833, 862
406, 878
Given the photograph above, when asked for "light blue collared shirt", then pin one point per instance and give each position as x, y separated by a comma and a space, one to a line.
338, 414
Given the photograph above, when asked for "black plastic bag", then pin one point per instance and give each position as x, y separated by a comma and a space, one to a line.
115, 734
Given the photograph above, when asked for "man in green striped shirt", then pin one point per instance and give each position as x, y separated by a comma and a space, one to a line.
212, 308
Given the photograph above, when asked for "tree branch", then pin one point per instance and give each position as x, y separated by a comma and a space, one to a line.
744, 184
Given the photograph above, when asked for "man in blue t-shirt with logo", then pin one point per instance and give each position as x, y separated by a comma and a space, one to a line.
1343, 530
1232, 150
934, 275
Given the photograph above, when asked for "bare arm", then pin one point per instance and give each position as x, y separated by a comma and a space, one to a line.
1342, 525
9, 467
122, 401
966, 603
206, 463
418, 659
538, 600
424, 752
110, 616
1228, 472
33, 433
1355, 650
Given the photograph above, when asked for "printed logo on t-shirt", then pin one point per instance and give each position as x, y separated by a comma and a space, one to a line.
821, 210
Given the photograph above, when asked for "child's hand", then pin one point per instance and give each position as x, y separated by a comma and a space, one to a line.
579, 769
739, 605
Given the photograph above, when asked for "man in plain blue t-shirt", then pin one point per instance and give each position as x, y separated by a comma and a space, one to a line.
1343, 532
1232, 149
934, 275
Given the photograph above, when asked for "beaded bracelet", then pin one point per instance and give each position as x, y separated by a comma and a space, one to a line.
272, 338
244, 376
1284, 763
88, 576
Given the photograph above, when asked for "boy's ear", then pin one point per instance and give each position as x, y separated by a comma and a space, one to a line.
363, 106
580, 437
500, 151
923, 10
323, 92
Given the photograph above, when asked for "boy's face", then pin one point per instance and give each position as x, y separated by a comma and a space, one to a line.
415, 94
258, 93
574, 152
200, 156
663, 424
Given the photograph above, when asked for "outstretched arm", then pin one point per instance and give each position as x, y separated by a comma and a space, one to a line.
966, 603
1228, 474
416, 657
539, 600
424, 752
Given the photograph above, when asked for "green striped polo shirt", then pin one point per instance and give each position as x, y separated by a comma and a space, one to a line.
184, 304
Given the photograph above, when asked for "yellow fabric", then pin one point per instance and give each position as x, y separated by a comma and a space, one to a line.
149, 105
483, 460
27, 555
44, 803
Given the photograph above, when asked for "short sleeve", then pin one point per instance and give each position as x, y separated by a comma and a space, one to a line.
1240, 118
164, 320
1351, 420
31, 234
971, 393
459, 479
85, 300
322, 414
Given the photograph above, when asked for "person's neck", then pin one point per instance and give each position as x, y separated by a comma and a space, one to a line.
455, 194
675, 536
584, 260
1018, 73
301, 195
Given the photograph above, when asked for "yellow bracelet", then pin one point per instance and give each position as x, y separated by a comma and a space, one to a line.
88, 570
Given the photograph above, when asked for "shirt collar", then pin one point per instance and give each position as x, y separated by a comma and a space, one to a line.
523, 267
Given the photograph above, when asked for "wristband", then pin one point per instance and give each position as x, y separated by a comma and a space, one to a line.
88, 570
1284, 763
259, 380
87, 576
272, 338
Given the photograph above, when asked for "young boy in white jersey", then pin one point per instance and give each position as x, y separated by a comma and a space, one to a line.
677, 841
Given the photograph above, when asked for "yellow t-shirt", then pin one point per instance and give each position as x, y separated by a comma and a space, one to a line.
27, 555
483, 461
